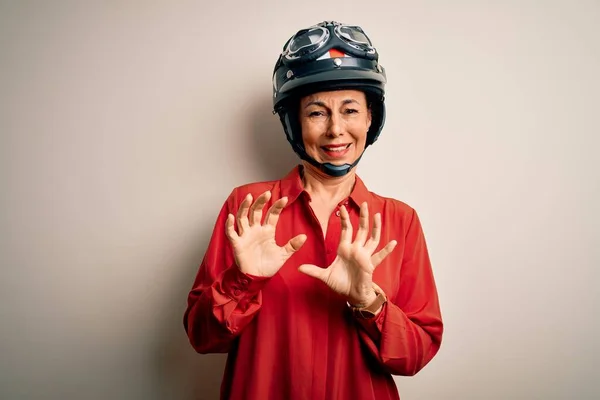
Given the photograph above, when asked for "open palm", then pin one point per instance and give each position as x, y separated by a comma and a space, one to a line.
254, 247
351, 272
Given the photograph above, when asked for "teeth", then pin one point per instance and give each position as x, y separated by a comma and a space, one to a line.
336, 148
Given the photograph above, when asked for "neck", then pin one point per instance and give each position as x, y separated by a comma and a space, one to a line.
325, 188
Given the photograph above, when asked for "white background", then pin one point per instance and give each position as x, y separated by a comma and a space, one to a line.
125, 124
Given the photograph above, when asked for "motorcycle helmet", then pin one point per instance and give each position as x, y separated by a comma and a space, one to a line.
327, 56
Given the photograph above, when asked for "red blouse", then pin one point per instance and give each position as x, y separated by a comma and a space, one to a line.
290, 336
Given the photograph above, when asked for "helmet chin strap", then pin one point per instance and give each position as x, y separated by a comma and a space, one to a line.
328, 168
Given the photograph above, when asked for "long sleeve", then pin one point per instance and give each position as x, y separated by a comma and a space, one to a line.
223, 300
407, 333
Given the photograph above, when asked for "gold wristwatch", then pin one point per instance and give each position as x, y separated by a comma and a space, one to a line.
370, 311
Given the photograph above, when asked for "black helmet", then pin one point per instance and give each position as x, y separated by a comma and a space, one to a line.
327, 56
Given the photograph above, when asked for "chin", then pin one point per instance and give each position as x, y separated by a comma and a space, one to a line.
323, 158
337, 162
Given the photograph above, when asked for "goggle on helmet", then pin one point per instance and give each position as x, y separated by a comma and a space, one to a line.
310, 43
327, 56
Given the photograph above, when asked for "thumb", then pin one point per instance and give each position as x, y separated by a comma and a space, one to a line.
378, 257
313, 270
294, 244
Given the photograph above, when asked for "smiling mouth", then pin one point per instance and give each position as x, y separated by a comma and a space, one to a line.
336, 149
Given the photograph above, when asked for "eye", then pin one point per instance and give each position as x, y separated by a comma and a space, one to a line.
350, 111
316, 114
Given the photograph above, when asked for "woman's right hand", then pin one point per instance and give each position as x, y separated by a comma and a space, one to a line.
254, 247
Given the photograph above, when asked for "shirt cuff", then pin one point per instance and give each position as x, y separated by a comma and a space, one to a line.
374, 325
238, 285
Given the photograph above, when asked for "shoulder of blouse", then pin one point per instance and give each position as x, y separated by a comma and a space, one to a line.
393, 207
238, 194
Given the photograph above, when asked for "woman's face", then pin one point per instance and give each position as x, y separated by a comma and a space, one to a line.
335, 125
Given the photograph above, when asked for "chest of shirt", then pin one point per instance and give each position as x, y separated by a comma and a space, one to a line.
321, 249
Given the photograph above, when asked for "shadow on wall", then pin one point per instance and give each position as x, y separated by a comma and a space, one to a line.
181, 372
275, 156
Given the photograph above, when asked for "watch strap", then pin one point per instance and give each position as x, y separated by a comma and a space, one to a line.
370, 310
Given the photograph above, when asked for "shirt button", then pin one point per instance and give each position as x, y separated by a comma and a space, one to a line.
244, 282
337, 213
237, 292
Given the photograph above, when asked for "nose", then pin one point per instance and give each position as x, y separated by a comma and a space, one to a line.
335, 127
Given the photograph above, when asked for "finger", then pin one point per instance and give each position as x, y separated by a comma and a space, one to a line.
363, 225
274, 212
346, 234
313, 270
230, 229
242, 214
373, 241
294, 244
378, 257
256, 210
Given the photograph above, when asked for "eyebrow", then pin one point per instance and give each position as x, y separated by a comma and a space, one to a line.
321, 104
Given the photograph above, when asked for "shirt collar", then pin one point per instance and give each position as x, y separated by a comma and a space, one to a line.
292, 187
360, 193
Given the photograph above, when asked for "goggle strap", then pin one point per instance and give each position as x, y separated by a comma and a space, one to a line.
287, 74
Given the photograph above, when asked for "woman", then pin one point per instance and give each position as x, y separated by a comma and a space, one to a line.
349, 299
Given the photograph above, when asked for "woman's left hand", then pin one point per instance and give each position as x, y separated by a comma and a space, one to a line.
351, 273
